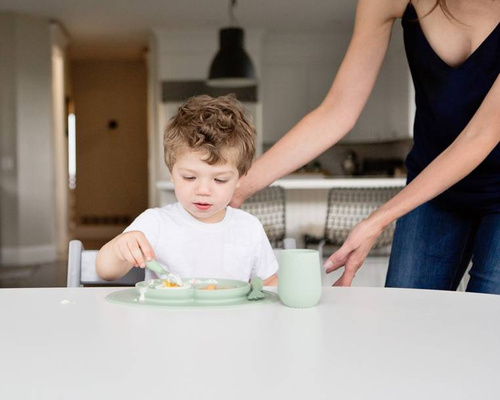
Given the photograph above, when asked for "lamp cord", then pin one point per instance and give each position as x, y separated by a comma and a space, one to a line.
232, 19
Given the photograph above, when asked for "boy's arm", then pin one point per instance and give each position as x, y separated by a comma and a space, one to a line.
267, 262
271, 281
120, 254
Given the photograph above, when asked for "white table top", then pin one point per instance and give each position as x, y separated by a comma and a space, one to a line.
357, 343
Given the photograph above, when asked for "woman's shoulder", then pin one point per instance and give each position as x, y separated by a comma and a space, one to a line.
383, 9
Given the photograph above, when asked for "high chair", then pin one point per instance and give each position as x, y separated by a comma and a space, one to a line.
82, 272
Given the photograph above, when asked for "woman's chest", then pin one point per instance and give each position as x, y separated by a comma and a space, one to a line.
459, 30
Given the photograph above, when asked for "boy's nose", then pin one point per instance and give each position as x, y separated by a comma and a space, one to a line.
203, 188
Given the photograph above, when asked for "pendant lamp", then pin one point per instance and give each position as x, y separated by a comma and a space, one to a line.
231, 66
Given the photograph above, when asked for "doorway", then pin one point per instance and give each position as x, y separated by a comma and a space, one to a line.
111, 178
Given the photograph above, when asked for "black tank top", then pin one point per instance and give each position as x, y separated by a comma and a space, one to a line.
446, 99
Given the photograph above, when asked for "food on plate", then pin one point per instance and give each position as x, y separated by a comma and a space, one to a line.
209, 287
215, 287
167, 283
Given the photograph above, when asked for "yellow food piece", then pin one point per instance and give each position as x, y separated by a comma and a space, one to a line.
210, 287
167, 283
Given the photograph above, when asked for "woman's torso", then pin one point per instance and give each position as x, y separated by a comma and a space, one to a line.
453, 67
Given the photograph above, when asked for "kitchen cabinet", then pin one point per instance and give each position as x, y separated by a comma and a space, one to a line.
297, 79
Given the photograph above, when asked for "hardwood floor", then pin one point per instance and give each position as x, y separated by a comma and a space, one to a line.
43, 275
40, 275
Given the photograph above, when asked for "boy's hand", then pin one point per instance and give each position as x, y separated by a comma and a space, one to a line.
134, 248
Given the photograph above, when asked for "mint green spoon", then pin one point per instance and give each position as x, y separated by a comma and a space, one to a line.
155, 266
257, 289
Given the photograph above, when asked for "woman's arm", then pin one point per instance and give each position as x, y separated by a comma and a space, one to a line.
339, 111
469, 149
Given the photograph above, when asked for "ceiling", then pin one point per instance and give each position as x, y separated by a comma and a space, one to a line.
119, 28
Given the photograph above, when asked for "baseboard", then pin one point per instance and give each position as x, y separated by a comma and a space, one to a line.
28, 255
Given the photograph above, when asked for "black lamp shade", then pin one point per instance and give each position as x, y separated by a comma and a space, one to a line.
231, 66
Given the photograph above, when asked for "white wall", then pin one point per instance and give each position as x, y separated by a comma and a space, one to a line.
187, 54
299, 68
295, 70
27, 214
59, 91
8, 147
388, 113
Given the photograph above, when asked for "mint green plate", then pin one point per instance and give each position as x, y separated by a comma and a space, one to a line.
229, 290
131, 297
230, 293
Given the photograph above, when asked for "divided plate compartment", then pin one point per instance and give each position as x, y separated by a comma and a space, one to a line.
227, 290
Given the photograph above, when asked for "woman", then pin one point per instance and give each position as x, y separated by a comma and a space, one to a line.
450, 209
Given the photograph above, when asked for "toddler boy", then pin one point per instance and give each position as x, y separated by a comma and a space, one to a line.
209, 145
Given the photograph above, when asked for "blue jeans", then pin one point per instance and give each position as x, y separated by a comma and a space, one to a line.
433, 246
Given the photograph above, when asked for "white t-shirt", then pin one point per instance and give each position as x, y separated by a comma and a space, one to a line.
234, 248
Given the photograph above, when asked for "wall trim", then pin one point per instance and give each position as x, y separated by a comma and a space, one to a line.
28, 255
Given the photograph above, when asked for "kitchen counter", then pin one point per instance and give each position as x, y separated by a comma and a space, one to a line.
317, 182
291, 182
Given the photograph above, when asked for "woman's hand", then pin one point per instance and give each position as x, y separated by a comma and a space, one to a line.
353, 252
133, 247
237, 199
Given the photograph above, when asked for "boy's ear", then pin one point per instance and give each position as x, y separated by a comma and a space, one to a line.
239, 182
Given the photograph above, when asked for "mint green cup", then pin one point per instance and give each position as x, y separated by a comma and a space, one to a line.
299, 283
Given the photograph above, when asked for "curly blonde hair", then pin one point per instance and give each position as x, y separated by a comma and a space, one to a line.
215, 126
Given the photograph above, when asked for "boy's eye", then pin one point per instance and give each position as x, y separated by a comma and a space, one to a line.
188, 178
218, 180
